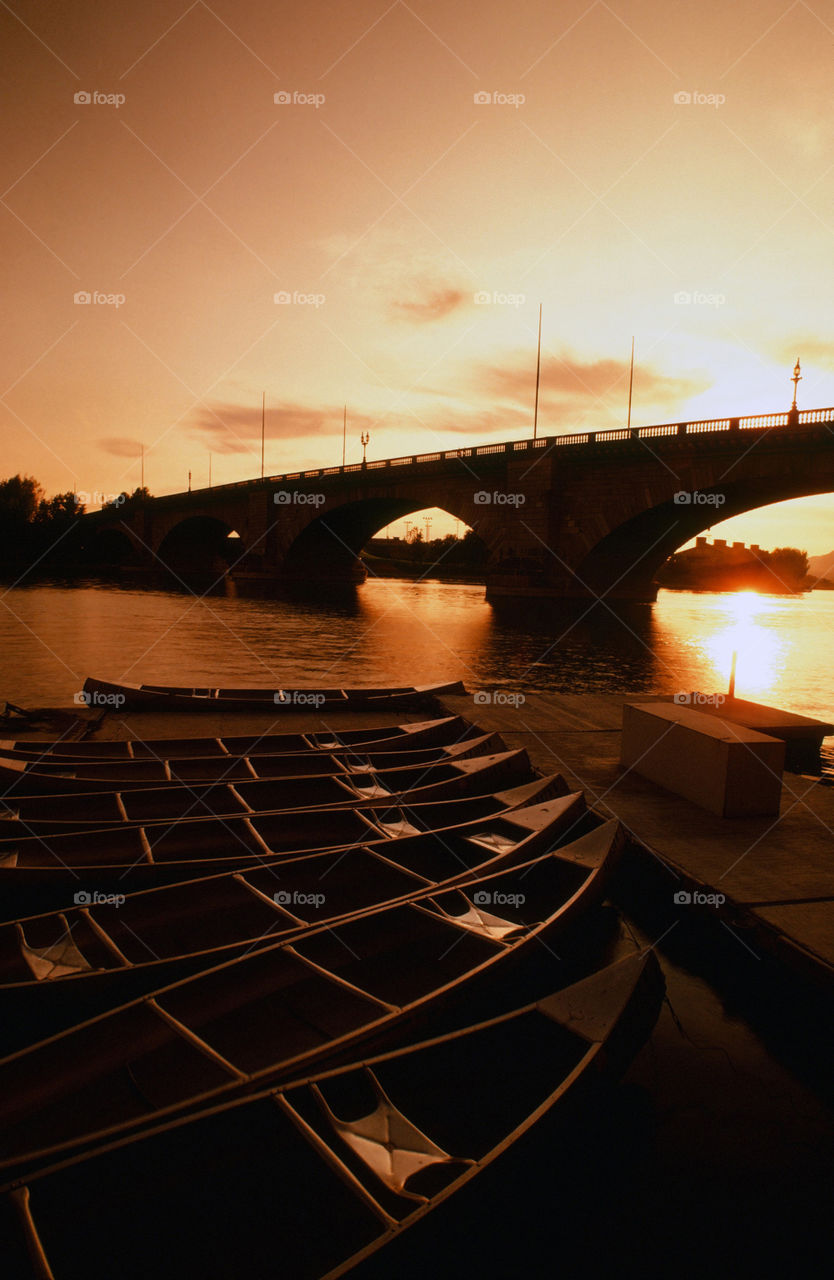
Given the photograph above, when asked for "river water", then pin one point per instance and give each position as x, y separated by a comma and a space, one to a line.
389, 632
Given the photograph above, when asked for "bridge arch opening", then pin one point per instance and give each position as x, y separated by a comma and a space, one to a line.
200, 545
625, 563
383, 536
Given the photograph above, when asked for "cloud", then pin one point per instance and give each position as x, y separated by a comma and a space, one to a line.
236, 428
572, 388
121, 446
435, 304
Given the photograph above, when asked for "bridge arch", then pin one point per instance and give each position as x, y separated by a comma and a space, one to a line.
628, 557
113, 547
199, 544
329, 545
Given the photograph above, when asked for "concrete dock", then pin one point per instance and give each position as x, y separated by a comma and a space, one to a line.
776, 874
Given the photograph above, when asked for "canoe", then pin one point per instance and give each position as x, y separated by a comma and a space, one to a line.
57, 968
31, 778
406, 737
376, 1144
51, 815
160, 697
281, 1009
49, 871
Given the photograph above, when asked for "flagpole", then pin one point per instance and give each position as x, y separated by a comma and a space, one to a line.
344, 436
263, 421
538, 373
630, 381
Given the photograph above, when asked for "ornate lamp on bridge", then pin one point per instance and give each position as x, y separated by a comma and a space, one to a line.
793, 415
365, 438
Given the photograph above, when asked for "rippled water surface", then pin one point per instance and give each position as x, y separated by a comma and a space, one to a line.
401, 632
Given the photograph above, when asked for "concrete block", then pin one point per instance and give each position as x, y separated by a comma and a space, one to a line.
726, 768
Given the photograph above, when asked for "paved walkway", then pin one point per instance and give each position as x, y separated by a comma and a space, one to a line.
776, 874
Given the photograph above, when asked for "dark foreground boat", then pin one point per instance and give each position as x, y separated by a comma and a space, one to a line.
284, 1009
327, 1169
162, 697
406, 737
58, 967
135, 856
52, 815
52, 776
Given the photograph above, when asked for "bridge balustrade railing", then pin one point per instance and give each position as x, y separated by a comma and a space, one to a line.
764, 420
758, 421
666, 429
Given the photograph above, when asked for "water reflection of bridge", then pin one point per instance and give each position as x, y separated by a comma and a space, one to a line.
561, 516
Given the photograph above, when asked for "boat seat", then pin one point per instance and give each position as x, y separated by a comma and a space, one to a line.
395, 830
55, 961
374, 792
387, 1142
476, 920
493, 840
356, 765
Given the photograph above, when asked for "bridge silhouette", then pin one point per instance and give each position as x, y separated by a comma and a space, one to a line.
571, 516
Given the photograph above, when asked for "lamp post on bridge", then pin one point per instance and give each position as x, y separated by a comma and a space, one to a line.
793, 415
365, 438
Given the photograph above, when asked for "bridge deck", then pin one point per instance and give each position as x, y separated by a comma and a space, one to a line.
777, 875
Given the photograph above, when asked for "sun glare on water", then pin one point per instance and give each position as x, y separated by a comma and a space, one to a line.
747, 632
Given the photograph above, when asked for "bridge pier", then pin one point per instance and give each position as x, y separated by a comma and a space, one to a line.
505, 589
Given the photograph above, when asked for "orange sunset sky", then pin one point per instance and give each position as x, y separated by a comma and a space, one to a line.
383, 197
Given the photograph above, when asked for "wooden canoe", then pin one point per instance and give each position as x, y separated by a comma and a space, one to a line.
160, 697
406, 737
49, 871
35, 778
477, 775
375, 1146
56, 968
285, 1008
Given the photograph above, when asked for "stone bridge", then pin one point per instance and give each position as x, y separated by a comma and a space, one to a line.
591, 514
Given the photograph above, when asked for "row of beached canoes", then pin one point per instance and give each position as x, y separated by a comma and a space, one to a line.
240, 1001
